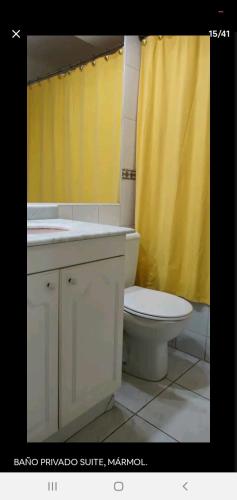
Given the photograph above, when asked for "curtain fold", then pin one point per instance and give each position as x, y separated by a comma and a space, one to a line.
74, 129
173, 166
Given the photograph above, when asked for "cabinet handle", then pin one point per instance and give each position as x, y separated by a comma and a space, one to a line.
50, 286
72, 281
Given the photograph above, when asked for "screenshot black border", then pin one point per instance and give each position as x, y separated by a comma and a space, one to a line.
220, 454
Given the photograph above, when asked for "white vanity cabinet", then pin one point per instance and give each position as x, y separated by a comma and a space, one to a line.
74, 332
42, 355
90, 335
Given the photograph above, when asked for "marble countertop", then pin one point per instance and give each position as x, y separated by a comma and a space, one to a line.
70, 230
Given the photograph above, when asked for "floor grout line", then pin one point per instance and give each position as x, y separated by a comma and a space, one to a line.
156, 396
117, 428
89, 423
183, 373
168, 385
194, 392
158, 428
175, 381
129, 409
141, 418
171, 382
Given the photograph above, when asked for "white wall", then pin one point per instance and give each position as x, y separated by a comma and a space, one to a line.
132, 54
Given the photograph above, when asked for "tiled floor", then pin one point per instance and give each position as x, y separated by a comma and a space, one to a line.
175, 409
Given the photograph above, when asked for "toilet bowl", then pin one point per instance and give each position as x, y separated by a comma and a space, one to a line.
151, 319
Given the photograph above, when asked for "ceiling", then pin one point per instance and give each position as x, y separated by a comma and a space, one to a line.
48, 54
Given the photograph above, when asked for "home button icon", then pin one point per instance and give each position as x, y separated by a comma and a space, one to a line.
118, 486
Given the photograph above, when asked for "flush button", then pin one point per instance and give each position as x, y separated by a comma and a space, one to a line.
118, 486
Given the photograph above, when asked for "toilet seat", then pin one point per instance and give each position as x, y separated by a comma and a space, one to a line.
155, 305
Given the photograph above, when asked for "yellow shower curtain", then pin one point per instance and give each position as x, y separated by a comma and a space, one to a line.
172, 188
74, 125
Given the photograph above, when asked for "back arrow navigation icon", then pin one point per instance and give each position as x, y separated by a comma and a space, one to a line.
185, 486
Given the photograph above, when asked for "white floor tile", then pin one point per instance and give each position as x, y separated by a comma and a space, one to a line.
178, 363
134, 393
102, 426
181, 413
197, 379
136, 430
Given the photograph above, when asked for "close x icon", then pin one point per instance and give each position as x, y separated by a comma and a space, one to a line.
16, 33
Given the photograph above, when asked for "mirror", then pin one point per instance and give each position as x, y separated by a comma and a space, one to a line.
74, 108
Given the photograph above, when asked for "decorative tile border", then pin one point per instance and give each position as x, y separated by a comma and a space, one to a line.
128, 174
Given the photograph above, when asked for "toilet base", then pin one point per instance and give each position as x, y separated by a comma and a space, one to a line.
146, 361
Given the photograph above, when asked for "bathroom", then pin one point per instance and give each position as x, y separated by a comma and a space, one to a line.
118, 239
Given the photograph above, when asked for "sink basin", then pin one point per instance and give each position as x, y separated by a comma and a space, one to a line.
43, 230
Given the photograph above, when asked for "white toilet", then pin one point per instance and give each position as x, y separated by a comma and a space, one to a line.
151, 319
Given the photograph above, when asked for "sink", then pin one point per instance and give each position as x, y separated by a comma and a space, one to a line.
43, 230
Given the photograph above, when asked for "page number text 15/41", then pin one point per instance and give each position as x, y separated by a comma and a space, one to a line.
219, 33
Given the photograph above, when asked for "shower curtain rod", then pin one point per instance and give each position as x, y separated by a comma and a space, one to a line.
69, 67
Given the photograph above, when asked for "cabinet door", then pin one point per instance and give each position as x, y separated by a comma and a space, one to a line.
90, 335
42, 355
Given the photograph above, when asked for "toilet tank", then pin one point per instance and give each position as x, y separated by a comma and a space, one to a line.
131, 257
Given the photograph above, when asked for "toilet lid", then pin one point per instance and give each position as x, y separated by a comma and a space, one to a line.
154, 304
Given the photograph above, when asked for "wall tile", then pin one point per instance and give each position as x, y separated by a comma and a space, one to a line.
132, 51
86, 213
131, 79
109, 214
198, 322
127, 200
128, 144
192, 343
42, 211
208, 328
207, 353
65, 211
